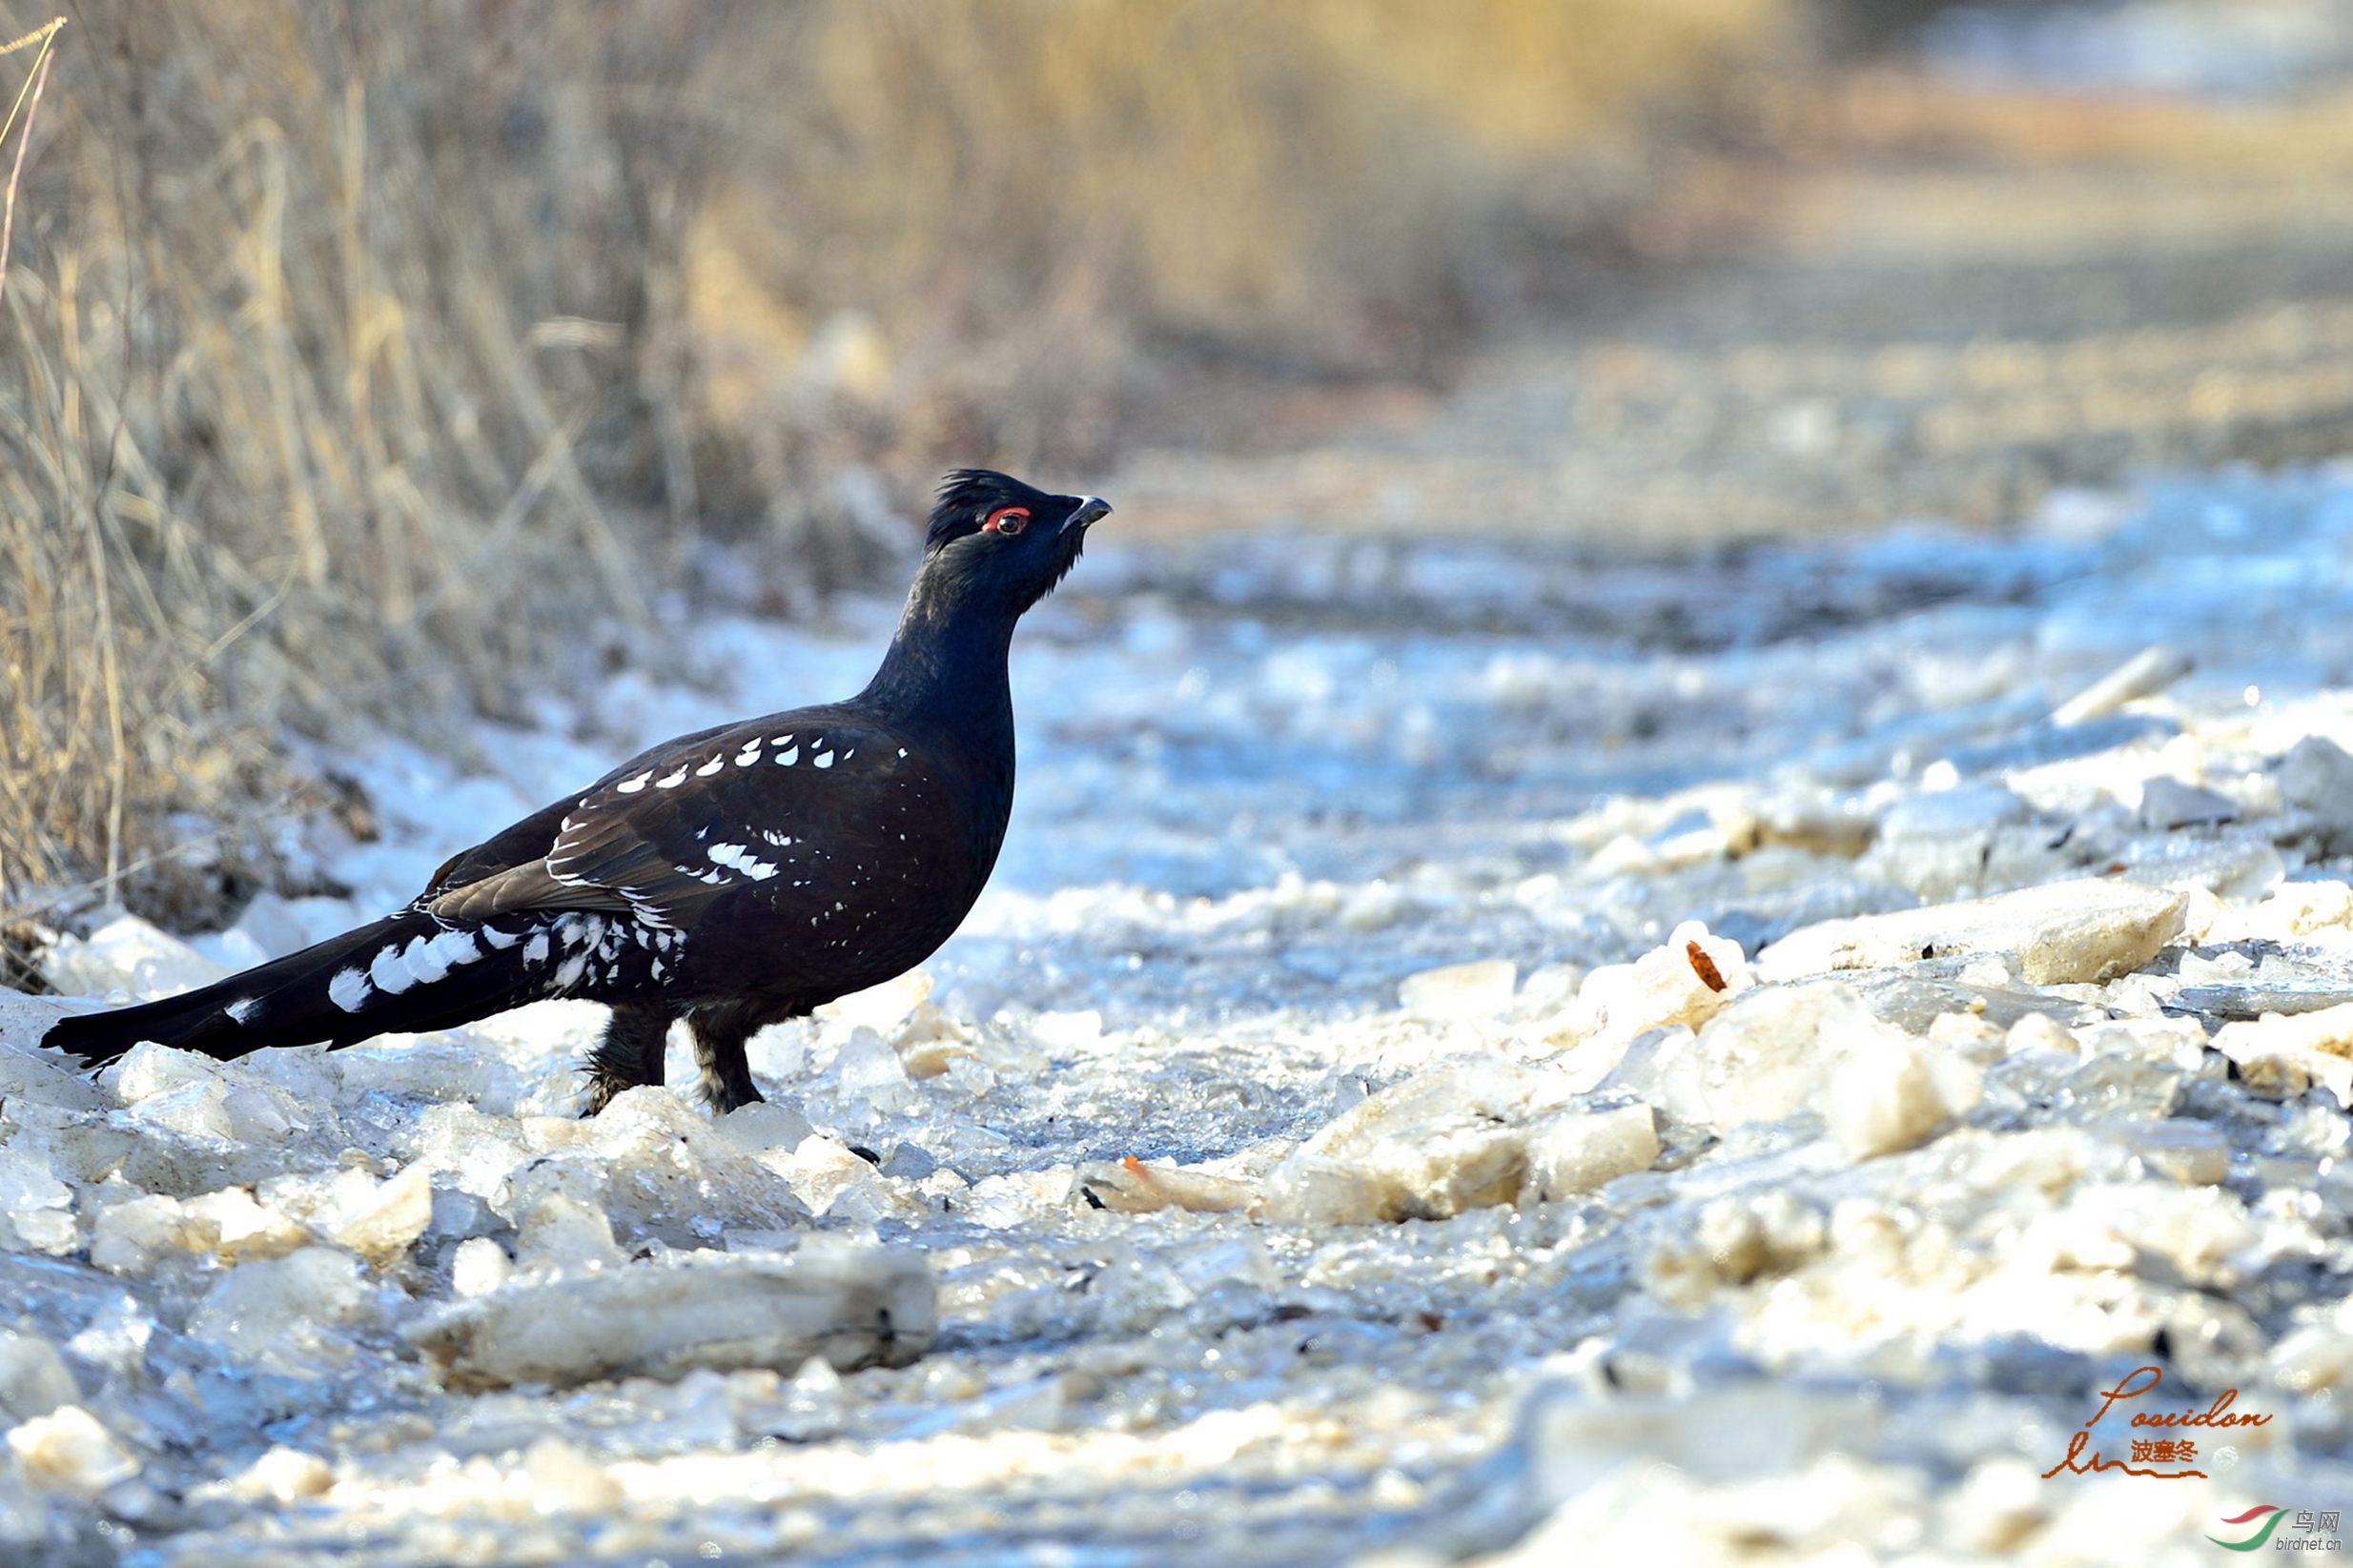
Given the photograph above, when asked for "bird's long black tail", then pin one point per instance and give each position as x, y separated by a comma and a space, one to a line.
404, 974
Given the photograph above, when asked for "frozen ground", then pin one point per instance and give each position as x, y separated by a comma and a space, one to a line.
1568, 1255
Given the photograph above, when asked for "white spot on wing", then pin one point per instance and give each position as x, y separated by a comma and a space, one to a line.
787, 758
743, 860
245, 1010
712, 766
501, 940
537, 951
630, 786
671, 781
823, 759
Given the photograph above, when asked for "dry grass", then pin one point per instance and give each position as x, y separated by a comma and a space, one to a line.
360, 359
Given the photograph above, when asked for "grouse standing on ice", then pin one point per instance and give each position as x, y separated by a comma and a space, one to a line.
734, 877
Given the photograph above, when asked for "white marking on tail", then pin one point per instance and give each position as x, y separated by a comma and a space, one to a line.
391, 975
349, 990
501, 940
421, 962
537, 951
455, 948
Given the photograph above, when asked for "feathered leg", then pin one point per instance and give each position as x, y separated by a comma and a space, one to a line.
629, 1055
720, 1033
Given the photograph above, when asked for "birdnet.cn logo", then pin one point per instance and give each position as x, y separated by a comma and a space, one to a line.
2255, 1529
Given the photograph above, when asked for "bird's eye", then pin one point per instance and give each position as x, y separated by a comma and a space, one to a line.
1007, 519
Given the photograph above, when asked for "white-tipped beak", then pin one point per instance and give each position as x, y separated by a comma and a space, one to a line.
1089, 511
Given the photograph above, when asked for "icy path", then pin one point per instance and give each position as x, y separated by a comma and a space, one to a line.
1850, 1243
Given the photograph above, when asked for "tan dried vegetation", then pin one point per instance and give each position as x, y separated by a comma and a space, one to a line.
363, 360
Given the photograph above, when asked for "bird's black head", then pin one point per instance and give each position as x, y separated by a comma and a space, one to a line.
997, 536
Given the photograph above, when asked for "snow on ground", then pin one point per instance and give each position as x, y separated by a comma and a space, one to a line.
1463, 1042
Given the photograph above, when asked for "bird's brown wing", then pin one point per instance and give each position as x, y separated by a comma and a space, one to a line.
788, 800
525, 844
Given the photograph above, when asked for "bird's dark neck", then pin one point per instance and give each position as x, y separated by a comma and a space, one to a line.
945, 672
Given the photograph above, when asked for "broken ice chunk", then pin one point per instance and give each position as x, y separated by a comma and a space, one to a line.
1132, 1187
2316, 777
68, 1450
2285, 1053
35, 1207
1373, 906
762, 1124
1941, 842
854, 1306
1573, 1151
2229, 869
33, 1379
479, 1266
1685, 982
1891, 1094
867, 1068
1478, 989
400, 1211
2191, 1152
281, 1476
2145, 674
1431, 1146
148, 1069
1767, 1057
2065, 932
881, 1007
130, 954
558, 1229
240, 1227
136, 1234
280, 1312
2167, 804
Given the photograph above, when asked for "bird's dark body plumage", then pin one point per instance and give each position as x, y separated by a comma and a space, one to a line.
733, 877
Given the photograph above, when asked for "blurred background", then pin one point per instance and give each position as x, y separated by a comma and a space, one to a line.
373, 362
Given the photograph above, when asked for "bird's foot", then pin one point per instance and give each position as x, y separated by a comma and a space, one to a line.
603, 1086
730, 1093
